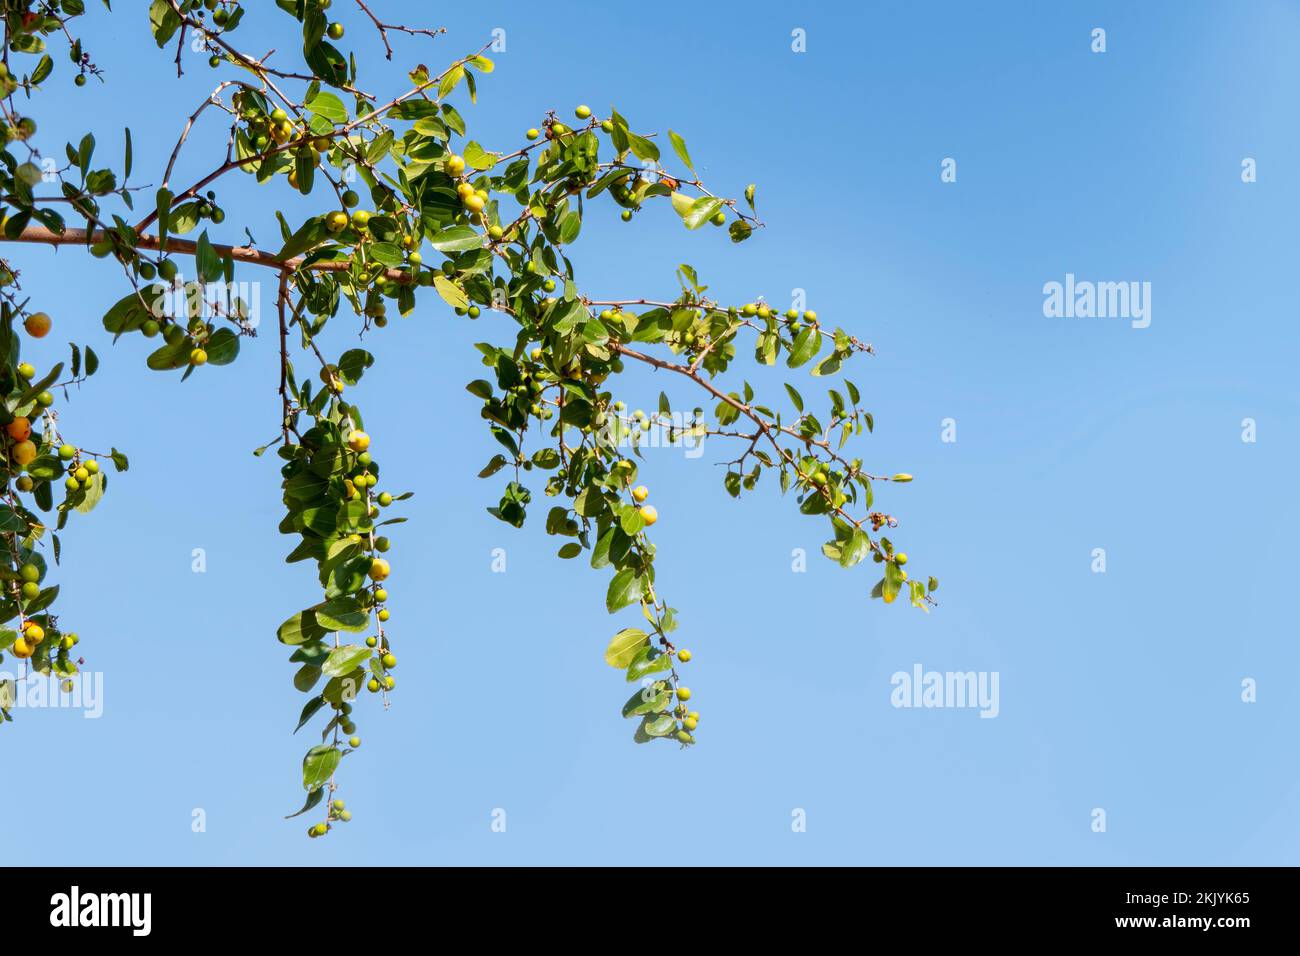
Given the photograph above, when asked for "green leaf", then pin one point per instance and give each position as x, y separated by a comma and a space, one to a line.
624, 645
679, 145
624, 589
450, 292
329, 106
345, 659
319, 765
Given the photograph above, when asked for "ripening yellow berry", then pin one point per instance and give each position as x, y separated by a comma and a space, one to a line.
640, 493
358, 441
649, 515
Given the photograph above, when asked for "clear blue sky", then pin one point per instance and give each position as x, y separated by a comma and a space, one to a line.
1119, 690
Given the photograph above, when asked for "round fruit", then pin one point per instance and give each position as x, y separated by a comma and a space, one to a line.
345, 815
26, 371
351, 199
336, 221
354, 742
583, 111
358, 441
372, 685
381, 595
455, 165
25, 483
23, 453
360, 219
379, 569
810, 316
640, 493
31, 590
390, 682
385, 499
389, 661
383, 614
372, 641
683, 655
683, 693
690, 723
92, 466
532, 134
900, 559
67, 452
684, 737
149, 328
335, 31
198, 357
338, 805
22, 649
626, 215
37, 325
20, 429
649, 515
34, 634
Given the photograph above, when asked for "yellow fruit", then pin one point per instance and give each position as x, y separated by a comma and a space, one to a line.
649, 515
378, 569
24, 453
683, 693
21, 649
640, 493
198, 357
683, 655
34, 634
358, 441
37, 325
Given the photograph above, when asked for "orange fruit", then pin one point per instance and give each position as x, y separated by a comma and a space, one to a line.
20, 429
37, 325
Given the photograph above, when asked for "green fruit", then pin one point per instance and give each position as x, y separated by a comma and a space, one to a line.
31, 590
389, 682
372, 685
382, 544
381, 595
338, 805
351, 199
67, 452
80, 79
626, 215
583, 111
345, 815
348, 727
475, 312
72, 484
389, 661
149, 328
167, 270
549, 285
532, 134
690, 723
92, 466
900, 559
684, 737
372, 641
26, 371
385, 499
354, 742
683, 693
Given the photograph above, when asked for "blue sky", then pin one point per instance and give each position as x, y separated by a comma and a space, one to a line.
1120, 691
